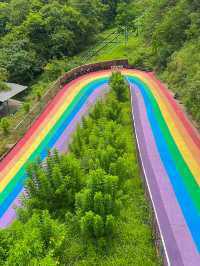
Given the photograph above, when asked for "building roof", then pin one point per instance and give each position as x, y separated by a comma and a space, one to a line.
14, 90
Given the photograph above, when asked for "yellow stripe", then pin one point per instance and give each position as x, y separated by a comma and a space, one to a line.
179, 140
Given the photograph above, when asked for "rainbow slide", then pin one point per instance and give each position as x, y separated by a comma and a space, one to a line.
169, 149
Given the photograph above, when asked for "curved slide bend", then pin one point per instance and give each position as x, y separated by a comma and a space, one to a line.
168, 145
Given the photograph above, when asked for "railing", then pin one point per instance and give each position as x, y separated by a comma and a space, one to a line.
20, 129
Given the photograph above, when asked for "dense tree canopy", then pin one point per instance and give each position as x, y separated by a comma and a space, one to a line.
35, 31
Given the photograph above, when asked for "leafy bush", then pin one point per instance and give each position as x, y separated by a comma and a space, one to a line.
82, 207
26, 107
170, 30
53, 187
5, 125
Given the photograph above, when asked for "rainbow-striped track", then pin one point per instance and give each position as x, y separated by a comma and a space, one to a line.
168, 144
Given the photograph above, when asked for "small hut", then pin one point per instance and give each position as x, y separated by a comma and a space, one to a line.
6, 95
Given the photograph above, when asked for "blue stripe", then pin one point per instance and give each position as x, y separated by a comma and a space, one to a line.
185, 202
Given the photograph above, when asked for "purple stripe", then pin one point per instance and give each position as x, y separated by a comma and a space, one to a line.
178, 241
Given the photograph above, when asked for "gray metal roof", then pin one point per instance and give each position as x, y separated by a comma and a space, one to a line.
14, 90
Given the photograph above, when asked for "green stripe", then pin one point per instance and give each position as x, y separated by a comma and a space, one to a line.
188, 178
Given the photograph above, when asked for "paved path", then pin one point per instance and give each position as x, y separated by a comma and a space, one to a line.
169, 150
